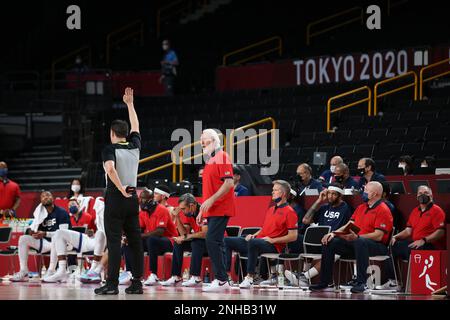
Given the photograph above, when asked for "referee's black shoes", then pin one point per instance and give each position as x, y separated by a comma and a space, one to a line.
135, 287
106, 289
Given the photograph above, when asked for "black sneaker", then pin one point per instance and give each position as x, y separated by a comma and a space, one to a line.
349, 285
359, 288
322, 287
106, 289
135, 287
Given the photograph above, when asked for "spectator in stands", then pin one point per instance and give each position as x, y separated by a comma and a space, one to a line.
327, 176
78, 216
48, 218
161, 194
366, 170
77, 190
305, 179
407, 164
334, 213
342, 176
279, 228
191, 238
168, 68
239, 189
374, 219
428, 162
9, 194
157, 236
424, 230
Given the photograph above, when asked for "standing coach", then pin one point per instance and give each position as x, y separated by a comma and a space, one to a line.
120, 161
218, 204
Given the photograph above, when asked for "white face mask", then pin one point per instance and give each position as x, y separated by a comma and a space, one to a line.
423, 165
76, 188
332, 169
402, 165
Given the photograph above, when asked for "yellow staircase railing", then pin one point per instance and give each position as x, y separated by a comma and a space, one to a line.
330, 111
135, 28
277, 47
164, 166
376, 95
358, 16
68, 60
431, 66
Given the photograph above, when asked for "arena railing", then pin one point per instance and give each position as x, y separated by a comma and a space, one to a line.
132, 29
431, 66
167, 165
376, 95
67, 61
330, 111
278, 47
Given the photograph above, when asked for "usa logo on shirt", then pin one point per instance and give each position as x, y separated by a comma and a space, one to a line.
161, 223
383, 225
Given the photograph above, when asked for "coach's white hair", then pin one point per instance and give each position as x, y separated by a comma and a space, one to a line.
211, 133
427, 188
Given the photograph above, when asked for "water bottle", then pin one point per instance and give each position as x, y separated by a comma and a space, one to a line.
43, 271
280, 278
206, 278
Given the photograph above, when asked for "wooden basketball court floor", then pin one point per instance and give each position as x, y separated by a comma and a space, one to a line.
74, 290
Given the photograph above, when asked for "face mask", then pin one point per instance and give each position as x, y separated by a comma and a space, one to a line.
423, 199
73, 209
3, 172
402, 165
149, 206
277, 200
365, 197
339, 179
423, 165
165, 47
299, 177
332, 168
362, 172
75, 188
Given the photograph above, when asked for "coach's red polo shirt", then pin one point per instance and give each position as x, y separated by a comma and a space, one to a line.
424, 223
216, 170
160, 218
9, 191
191, 221
278, 221
377, 217
84, 219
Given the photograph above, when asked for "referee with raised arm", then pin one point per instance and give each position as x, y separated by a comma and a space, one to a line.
120, 161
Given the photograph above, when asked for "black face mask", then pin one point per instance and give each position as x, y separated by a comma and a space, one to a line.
362, 172
149, 206
339, 179
423, 199
299, 178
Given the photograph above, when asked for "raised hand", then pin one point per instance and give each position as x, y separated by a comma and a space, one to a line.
128, 96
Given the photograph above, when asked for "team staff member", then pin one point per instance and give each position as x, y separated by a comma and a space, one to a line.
326, 177
425, 230
78, 217
121, 161
9, 194
375, 222
191, 238
366, 170
218, 204
279, 228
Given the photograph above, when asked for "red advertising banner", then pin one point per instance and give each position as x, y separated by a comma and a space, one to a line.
344, 68
428, 270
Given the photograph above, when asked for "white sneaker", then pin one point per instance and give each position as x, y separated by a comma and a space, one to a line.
152, 280
217, 286
292, 277
389, 285
173, 281
125, 278
247, 283
21, 276
60, 276
192, 282
49, 273
272, 281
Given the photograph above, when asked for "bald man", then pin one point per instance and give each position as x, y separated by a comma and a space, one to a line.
306, 180
425, 230
327, 176
374, 219
9, 194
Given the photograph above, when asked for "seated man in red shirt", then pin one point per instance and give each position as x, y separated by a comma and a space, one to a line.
79, 217
375, 222
425, 230
9, 194
191, 238
158, 232
279, 228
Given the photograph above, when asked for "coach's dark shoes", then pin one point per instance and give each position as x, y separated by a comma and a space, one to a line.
322, 287
135, 287
360, 287
106, 289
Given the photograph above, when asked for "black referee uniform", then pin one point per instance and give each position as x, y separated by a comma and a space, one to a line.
122, 214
